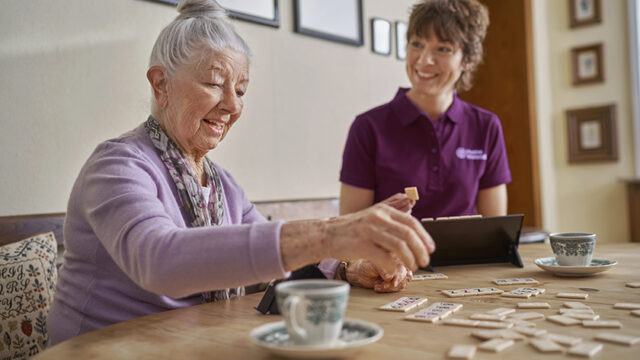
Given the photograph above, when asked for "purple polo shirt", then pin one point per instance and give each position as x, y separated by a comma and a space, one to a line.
396, 145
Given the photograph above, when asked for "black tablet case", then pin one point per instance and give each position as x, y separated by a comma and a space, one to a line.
268, 304
477, 240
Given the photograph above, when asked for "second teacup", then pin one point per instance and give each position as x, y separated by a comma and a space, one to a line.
573, 249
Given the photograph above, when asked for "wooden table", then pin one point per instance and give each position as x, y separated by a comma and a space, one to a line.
221, 330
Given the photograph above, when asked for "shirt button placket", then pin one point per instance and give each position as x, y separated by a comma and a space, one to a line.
434, 179
436, 163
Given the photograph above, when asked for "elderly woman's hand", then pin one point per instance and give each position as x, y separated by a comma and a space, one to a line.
381, 234
365, 274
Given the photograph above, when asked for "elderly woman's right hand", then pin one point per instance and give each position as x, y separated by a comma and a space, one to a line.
380, 234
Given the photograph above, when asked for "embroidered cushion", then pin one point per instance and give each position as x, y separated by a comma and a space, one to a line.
27, 281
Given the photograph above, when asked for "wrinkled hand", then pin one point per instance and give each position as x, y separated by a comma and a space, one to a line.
365, 274
400, 201
381, 234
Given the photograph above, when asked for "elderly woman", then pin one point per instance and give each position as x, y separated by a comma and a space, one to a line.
153, 224
452, 151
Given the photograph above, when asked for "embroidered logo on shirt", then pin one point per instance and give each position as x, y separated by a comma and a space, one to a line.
470, 154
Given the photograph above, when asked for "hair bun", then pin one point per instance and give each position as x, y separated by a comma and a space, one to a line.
201, 8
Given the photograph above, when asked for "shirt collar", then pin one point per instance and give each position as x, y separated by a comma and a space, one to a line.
408, 112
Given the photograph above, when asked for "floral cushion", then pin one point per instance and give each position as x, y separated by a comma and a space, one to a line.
28, 276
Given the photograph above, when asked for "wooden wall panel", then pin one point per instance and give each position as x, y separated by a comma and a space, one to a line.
504, 85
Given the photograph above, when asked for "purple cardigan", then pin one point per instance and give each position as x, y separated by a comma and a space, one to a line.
129, 253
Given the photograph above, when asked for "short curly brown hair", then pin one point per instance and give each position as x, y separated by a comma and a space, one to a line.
462, 22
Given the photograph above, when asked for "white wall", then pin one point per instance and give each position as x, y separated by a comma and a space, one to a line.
73, 75
582, 197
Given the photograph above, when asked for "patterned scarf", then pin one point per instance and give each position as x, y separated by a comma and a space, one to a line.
190, 192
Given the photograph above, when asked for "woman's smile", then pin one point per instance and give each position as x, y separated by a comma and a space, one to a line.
426, 75
216, 126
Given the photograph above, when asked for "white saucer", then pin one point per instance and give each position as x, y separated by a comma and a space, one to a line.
274, 338
597, 265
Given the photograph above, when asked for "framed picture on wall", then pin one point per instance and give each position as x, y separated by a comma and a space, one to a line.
258, 11
401, 40
592, 134
336, 20
584, 12
586, 64
263, 12
172, 2
381, 36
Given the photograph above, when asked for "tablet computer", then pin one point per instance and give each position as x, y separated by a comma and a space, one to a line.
475, 240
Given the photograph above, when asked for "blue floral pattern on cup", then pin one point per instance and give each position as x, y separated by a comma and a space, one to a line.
329, 310
323, 309
573, 247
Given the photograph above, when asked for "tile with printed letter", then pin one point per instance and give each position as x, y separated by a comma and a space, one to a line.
404, 304
436, 276
434, 312
516, 281
471, 292
523, 292
425, 316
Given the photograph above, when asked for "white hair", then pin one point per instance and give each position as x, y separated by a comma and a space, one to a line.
201, 25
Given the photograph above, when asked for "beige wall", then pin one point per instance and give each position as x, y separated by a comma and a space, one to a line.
73, 74
582, 197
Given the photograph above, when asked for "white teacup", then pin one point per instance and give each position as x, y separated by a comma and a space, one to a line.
313, 310
573, 249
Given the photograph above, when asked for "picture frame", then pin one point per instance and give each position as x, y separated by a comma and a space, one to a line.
584, 12
587, 64
264, 12
381, 36
401, 40
169, 2
592, 134
334, 20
